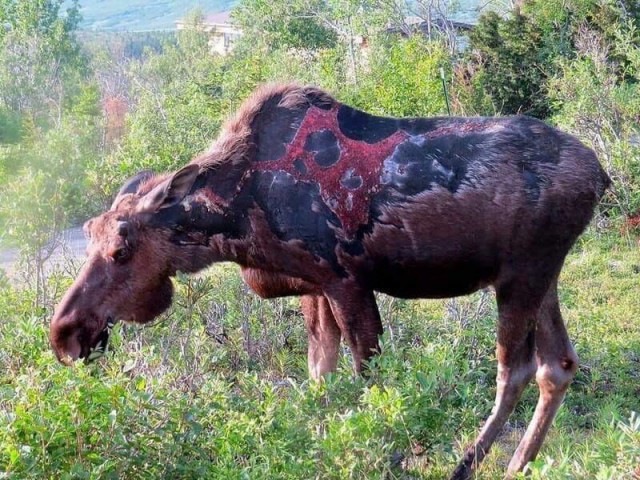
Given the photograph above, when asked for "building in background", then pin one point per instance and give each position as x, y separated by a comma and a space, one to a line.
222, 33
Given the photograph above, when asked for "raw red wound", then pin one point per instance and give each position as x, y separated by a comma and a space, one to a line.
363, 159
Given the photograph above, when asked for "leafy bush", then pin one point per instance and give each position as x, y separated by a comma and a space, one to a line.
403, 78
593, 104
513, 63
512, 57
217, 387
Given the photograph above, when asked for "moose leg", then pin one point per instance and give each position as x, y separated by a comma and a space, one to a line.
516, 366
557, 363
356, 313
323, 333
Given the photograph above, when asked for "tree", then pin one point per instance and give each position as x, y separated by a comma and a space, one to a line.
40, 59
317, 24
514, 56
177, 110
514, 63
283, 24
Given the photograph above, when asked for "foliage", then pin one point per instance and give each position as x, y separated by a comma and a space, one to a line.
604, 112
10, 126
44, 190
514, 56
511, 52
403, 78
283, 24
43, 85
312, 25
45, 176
218, 388
39, 57
177, 113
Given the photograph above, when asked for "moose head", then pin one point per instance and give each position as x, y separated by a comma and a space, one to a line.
132, 252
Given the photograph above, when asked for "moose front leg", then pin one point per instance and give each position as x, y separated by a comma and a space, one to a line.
357, 316
324, 335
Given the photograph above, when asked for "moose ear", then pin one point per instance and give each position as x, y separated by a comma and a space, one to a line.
170, 191
131, 186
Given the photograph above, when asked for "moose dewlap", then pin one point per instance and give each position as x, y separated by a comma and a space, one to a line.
314, 198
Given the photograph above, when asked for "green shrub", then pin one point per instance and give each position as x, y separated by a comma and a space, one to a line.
204, 393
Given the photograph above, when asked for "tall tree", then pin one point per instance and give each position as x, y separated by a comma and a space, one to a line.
40, 59
314, 24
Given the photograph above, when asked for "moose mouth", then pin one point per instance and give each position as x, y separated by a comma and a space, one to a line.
102, 344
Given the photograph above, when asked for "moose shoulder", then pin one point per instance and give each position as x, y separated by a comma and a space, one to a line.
314, 198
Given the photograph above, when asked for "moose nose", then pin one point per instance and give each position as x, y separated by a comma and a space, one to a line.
66, 360
64, 335
66, 347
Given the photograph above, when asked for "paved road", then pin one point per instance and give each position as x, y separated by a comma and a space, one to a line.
72, 246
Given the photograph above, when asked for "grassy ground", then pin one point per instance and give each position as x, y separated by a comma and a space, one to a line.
218, 389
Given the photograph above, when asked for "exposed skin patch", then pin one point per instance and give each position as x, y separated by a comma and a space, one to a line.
352, 168
204, 197
364, 159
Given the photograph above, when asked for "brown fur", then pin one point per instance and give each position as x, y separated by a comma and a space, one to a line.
234, 142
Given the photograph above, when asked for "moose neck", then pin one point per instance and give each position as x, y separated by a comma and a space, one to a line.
204, 227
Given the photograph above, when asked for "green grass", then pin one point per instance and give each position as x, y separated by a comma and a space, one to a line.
217, 388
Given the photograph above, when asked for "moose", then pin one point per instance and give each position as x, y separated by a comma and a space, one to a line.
316, 199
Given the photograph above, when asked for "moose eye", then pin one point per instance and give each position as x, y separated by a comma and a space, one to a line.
121, 255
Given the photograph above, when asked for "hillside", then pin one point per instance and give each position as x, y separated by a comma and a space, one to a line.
143, 15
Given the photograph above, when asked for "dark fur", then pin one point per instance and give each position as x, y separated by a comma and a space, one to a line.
314, 198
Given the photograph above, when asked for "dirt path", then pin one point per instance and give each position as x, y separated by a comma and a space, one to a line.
72, 246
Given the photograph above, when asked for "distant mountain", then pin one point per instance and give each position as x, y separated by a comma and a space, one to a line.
145, 15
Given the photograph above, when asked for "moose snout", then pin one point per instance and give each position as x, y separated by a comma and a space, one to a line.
64, 342
77, 335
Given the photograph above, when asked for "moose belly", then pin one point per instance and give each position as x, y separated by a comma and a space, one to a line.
430, 280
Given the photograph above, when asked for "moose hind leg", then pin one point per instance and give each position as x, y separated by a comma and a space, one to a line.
356, 313
557, 364
324, 335
516, 366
